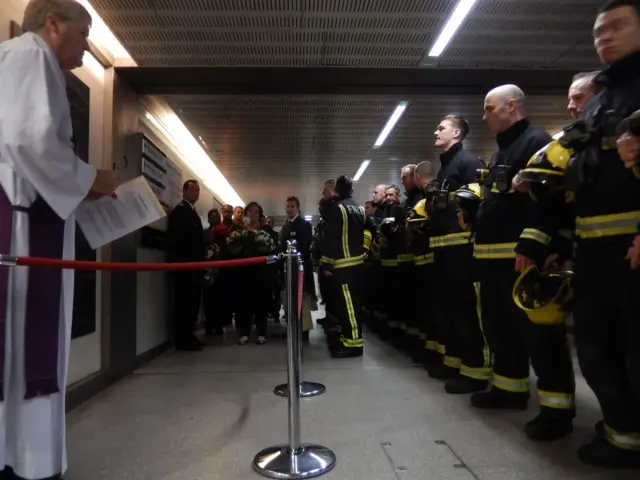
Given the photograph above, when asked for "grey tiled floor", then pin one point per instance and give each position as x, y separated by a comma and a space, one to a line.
203, 416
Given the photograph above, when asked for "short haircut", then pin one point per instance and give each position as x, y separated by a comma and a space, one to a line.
369, 202
35, 15
295, 200
331, 183
212, 211
411, 167
426, 169
584, 75
227, 207
344, 186
613, 4
188, 183
394, 186
459, 122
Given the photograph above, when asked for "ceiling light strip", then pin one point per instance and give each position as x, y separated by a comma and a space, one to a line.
361, 169
391, 123
451, 27
194, 157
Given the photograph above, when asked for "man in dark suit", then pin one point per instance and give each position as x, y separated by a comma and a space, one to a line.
185, 243
298, 229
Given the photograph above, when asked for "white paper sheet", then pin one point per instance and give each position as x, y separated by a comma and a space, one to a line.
107, 219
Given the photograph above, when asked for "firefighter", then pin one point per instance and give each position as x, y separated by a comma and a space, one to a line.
607, 205
417, 231
501, 219
457, 314
342, 260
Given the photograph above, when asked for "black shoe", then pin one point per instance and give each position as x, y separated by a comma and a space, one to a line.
305, 336
497, 399
343, 352
440, 371
550, 424
601, 453
462, 384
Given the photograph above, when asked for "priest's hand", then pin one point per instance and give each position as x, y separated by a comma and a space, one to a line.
105, 184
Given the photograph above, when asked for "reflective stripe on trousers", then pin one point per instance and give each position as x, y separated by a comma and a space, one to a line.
562, 401
515, 385
626, 441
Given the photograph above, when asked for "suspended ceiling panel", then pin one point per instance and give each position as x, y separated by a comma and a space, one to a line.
270, 147
352, 33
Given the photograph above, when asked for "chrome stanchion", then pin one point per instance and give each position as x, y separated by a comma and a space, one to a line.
307, 389
295, 460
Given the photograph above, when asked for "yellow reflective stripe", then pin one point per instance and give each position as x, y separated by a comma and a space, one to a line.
424, 259
386, 262
562, 401
431, 345
476, 373
367, 240
515, 385
486, 351
422, 336
343, 262
406, 258
608, 225
494, 251
414, 332
350, 312
626, 441
345, 231
359, 343
441, 349
536, 235
495, 190
450, 240
453, 362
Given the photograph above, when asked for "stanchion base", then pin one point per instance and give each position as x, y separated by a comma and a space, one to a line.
280, 462
307, 389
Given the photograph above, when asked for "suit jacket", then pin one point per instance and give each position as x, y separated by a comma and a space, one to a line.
302, 232
185, 234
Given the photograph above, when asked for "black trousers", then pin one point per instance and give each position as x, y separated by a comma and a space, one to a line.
323, 286
390, 289
217, 302
607, 329
515, 341
346, 304
187, 288
253, 299
470, 349
423, 301
405, 303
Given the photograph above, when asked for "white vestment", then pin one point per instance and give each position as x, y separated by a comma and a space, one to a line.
36, 159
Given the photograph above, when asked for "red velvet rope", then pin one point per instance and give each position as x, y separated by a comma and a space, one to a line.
137, 267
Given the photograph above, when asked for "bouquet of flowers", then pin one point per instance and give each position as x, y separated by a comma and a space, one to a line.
211, 254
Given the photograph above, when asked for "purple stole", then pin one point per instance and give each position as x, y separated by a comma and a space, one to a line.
42, 319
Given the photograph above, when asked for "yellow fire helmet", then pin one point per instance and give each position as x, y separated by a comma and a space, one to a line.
547, 166
418, 212
544, 296
468, 199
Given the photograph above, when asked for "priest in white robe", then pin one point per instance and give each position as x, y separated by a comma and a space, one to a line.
42, 182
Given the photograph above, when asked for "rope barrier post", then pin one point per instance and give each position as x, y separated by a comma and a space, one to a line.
307, 389
296, 460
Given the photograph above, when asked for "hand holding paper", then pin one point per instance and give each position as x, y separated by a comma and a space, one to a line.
107, 219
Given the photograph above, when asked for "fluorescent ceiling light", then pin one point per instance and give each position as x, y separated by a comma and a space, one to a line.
451, 27
195, 157
308, 218
363, 166
393, 119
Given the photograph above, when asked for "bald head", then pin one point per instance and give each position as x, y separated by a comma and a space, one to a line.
504, 106
378, 193
424, 173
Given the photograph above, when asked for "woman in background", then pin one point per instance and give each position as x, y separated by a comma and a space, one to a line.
253, 283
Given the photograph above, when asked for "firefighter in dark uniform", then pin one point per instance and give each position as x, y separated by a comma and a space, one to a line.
417, 231
464, 365
391, 241
369, 280
501, 219
607, 207
342, 260
405, 306
377, 286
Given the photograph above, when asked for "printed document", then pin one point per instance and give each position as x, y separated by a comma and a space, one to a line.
107, 219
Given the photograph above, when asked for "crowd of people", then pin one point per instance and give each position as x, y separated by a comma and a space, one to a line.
475, 271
